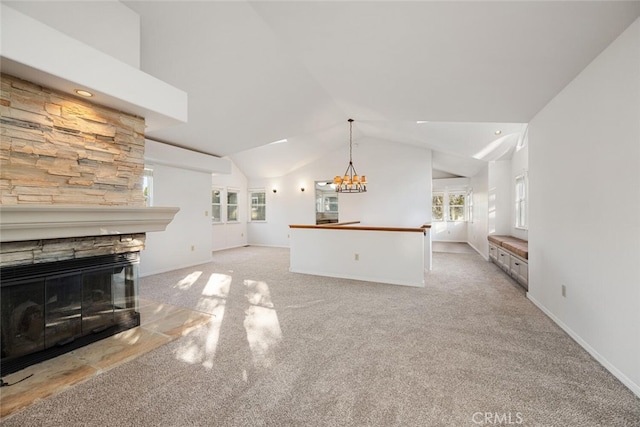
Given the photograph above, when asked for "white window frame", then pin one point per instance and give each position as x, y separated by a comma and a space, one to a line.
236, 204
147, 185
446, 206
521, 202
218, 205
463, 205
470, 206
252, 205
444, 212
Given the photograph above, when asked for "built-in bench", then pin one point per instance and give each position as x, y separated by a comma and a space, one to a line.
512, 255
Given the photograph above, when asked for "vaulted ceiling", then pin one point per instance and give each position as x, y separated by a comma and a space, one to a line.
258, 72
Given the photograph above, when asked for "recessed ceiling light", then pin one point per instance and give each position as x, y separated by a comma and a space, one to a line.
420, 122
280, 141
498, 132
83, 93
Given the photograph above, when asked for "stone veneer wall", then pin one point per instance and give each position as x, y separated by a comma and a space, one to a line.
58, 149
50, 250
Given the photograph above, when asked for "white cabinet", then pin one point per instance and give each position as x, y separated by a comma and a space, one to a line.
519, 270
511, 261
493, 252
504, 259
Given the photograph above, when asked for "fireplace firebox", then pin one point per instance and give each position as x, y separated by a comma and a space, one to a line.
51, 308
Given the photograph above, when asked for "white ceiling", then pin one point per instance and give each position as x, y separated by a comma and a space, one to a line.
258, 72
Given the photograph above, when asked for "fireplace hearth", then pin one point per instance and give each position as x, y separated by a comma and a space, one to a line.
51, 308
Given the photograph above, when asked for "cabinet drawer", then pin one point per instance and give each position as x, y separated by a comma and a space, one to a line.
519, 270
504, 259
493, 251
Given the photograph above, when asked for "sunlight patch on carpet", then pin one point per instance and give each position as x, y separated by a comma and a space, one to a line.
188, 281
261, 324
202, 349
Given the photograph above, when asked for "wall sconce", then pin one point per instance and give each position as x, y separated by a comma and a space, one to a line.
302, 189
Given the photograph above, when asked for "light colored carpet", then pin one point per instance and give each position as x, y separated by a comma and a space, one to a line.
287, 349
452, 247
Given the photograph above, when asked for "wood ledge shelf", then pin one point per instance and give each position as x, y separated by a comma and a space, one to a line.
350, 226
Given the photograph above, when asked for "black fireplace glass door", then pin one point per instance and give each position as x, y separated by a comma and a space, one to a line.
97, 300
124, 292
63, 296
22, 319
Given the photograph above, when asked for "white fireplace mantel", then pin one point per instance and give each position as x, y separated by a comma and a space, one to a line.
35, 222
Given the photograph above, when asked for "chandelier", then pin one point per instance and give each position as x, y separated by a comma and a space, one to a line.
350, 182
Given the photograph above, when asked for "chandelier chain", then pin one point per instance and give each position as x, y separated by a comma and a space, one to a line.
350, 182
350, 140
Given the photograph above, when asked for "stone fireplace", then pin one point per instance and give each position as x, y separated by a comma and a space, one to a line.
54, 307
73, 221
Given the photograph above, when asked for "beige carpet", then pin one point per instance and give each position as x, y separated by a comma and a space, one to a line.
452, 247
286, 349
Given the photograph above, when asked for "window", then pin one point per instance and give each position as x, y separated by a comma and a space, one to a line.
216, 205
232, 205
456, 206
470, 206
147, 186
258, 205
521, 201
330, 203
437, 207
450, 206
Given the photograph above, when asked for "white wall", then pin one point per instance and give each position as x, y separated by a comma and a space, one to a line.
41, 54
494, 200
500, 197
399, 191
519, 166
92, 23
377, 256
477, 229
172, 249
225, 235
584, 170
287, 206
185, 242
449, 231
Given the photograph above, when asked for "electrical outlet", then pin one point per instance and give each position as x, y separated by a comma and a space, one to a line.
193, 248
206, 213
241, 234
564, 291
357, 257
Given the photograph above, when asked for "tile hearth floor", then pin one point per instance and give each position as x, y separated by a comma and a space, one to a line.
160, 323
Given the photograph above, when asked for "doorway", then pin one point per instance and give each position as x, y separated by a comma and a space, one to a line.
326, 202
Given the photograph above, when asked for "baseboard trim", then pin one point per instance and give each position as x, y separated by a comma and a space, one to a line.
361, 278
635, 388
179, 267
230, 247
486, 258
269, 246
